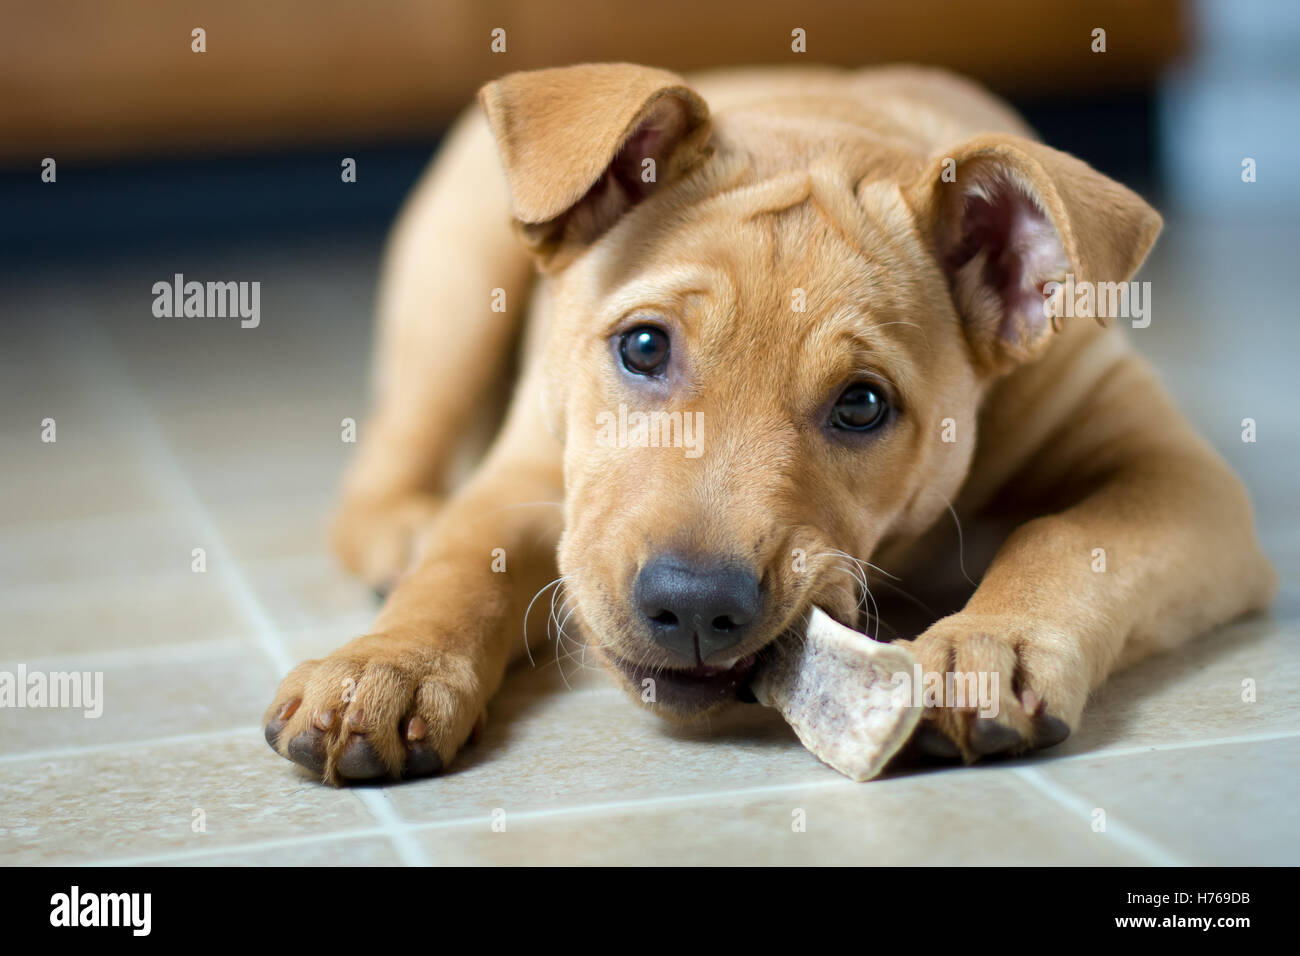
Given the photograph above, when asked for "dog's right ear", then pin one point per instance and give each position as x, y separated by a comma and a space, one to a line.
583, 144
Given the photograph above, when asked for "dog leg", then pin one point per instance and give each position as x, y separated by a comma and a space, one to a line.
401, 700
1153, 543
453, 284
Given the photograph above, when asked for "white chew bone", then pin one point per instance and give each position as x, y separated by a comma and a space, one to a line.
836, 689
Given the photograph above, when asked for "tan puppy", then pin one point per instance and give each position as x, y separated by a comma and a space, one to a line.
824, 292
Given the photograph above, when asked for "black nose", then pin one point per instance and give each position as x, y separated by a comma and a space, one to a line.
684, 601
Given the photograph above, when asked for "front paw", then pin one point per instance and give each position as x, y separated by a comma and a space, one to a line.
1028, 689
379, 543
377, 707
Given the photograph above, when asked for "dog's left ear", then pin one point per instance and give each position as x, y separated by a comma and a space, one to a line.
1006, 216
581, 145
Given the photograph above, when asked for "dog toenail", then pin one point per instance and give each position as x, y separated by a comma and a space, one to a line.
326, 720
422, 760
416, 729
987, 736
930, 741
308, 749
359, 761
357, 720
1050, 731
276, 726
1031, 702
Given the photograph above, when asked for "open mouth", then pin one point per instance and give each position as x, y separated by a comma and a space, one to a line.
688, 689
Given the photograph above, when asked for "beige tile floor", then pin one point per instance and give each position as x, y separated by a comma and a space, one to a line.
178, 434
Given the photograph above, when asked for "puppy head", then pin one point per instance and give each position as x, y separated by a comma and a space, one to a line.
760, 329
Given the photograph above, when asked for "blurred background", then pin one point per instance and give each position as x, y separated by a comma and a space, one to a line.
183, 434
157, 143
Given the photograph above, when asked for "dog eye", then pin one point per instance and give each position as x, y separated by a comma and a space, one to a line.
644, 350
860, 408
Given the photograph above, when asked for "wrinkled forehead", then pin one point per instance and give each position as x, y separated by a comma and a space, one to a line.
807, 262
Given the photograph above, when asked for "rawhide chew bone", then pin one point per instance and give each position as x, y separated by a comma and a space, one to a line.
836, 689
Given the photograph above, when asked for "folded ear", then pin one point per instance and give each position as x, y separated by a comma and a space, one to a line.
582, 144
1006, 216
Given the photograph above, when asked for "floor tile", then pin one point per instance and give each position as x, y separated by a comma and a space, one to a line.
131, 612
271, 529
57, 482
141, 802
145, 694
977, 817
595, 746
309, 591
1196, 692
158, 541
363, 851
1222, 805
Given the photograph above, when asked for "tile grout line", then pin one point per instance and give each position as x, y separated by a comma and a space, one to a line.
645, 803
109, 517
479, 820
102, 659
1259, 738
1031, 775
380, 804
1148, 849
182, 490
283, 564
237, 583
59, 753
235, 848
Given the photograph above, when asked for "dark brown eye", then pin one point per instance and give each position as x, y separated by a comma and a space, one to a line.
860, 408
644, 350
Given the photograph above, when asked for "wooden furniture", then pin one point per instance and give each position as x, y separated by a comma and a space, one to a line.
103, 78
